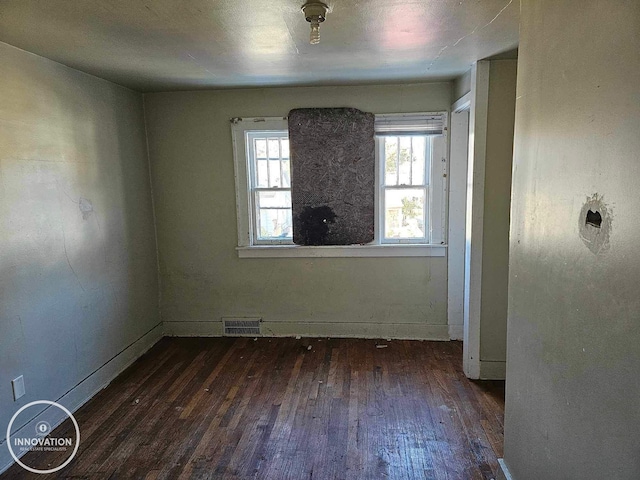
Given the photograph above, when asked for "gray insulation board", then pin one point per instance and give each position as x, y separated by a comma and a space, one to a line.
333, 175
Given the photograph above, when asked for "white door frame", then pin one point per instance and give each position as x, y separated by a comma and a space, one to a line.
475, 217
457, 215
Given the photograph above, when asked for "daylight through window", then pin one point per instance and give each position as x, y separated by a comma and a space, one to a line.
271, 186
404, 187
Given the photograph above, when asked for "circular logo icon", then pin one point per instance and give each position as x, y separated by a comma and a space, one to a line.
44, 439
43, 429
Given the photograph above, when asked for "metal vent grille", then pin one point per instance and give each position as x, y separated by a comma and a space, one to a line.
238, 327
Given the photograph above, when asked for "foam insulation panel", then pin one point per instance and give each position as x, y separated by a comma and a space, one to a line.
333, 175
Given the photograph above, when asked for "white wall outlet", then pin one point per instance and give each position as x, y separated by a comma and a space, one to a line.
18, 387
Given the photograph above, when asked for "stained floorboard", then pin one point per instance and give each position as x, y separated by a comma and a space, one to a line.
275, 409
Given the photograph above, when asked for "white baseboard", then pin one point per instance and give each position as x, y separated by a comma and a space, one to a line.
88, 387
193, 329
490, 370
504, 473
456, 332
408, 331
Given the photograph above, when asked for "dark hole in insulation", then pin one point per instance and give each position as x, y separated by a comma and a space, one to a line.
594, 219
314, 225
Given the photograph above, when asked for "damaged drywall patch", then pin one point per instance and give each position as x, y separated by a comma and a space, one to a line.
594, 224
86, 208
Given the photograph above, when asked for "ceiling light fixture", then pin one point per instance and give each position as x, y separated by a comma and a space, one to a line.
315, 13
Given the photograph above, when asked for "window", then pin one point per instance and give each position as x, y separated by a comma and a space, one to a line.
411, 188
270, 180
412, 167
404, 188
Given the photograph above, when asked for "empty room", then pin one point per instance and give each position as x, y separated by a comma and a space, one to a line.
321, 240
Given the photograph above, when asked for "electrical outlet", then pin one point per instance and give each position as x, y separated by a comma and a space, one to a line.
18, 387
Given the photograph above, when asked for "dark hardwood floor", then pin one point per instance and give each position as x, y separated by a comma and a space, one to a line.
225, 408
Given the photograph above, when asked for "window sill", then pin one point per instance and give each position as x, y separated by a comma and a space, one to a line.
297, 251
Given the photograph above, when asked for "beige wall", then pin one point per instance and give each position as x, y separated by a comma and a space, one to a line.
78, 285
202, 277
574, 312
497, 201
461, 86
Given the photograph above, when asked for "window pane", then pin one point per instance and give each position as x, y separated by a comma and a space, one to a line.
418, 149
274, 224
274, 148
404, 213
261, 148
262, 176
405, 161
391, 160
286, 174
271, 199
274, 173
285, 147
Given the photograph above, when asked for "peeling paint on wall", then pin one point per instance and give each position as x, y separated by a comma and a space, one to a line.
594, 224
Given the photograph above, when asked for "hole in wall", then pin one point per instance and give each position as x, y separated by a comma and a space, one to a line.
595, 224
593, 218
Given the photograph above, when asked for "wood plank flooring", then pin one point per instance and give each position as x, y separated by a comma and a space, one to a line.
310, 409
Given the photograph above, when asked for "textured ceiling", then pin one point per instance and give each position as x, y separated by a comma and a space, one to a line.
153, 45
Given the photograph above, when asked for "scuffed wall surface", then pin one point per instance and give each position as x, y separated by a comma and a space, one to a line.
78, 278
332, 175
202, 277
574, 311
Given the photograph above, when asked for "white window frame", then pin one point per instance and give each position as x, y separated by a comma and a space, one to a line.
436, 189
255, 189
250, 247
382, 187
247, 235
